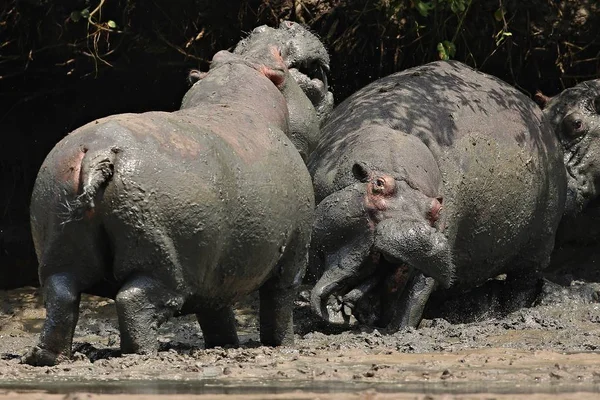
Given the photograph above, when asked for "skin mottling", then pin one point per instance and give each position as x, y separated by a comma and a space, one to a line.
440, 130
434, 213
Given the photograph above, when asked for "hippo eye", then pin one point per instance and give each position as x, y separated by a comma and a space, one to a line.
574, 126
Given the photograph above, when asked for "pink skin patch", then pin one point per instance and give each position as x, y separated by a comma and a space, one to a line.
277, 74
434, 213
72, 169
399, 278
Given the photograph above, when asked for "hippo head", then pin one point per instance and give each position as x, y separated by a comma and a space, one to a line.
304, 55
303, 58
381, 227
574, 116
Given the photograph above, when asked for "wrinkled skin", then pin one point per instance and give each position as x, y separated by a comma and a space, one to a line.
574, 116
308, 63
433, 177
178, 213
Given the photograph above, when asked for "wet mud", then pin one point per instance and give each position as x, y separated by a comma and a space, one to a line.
550, 350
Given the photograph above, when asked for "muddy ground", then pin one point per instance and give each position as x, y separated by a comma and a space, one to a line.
546, 351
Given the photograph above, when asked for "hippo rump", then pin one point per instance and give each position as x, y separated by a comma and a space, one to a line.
435, 176
178, 213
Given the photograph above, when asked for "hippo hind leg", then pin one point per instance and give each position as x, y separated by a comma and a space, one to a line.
61, 297
277, 294
218, 327
524, 283
73, 258
143, 304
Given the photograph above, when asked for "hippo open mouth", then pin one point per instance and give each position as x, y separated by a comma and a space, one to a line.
374, 300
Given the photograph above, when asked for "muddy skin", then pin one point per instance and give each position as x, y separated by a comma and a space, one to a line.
574, 116
177, 213
304, 55
436, 172
308, 64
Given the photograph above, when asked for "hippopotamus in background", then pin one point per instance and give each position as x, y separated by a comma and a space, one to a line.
178, 213
574, 115
435, 176
304, 55
308, 63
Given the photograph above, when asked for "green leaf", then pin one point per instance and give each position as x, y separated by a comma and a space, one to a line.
499, 14
75, 16
446, 50
450, 48
111, 24
423, 7
442, 54
85, 13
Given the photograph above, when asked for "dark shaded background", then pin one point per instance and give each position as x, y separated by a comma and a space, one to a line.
59, 70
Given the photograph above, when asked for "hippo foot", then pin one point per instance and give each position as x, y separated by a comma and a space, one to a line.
575, 292
39, 357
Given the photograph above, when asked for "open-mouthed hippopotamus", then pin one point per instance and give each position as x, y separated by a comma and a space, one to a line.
304, 55
308, 62
438, 175
178, 213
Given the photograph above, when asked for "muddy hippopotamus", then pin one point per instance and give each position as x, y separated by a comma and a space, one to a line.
178, 213
308, 63
304, 55
435, 176
574, 115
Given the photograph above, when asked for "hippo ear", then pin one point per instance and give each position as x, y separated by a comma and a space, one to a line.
541, 99
194, 76
276, 76
276, 73
361, 172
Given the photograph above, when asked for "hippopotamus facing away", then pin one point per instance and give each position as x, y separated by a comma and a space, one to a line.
304, 55
178, 213
435, 176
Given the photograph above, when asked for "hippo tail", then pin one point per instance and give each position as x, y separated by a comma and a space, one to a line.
97, 169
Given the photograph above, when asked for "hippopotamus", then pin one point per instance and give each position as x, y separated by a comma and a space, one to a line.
173, 213
304, 55
574, 117
307, 61
434, 177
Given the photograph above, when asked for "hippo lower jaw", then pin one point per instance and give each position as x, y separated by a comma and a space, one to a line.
361, 300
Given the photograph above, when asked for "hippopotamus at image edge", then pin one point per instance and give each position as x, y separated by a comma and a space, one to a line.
181, 212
